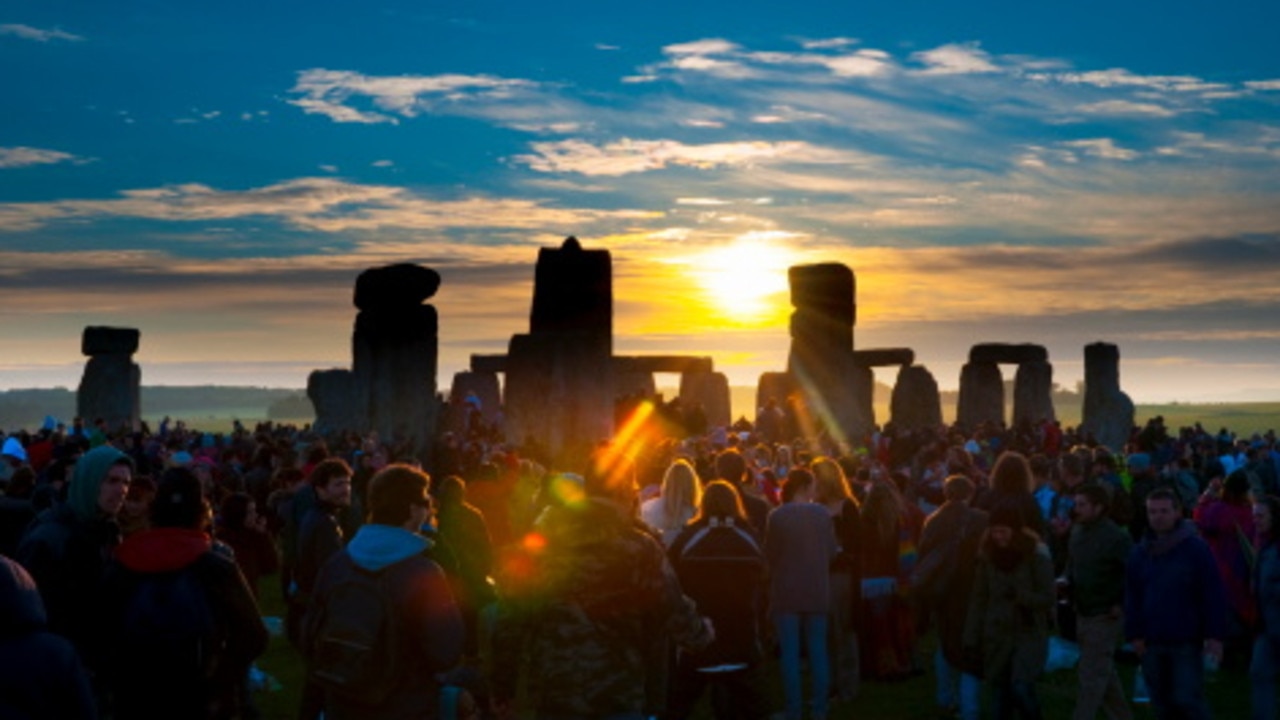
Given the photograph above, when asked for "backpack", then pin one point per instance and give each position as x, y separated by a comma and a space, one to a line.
931, 577
354, 639
169, 628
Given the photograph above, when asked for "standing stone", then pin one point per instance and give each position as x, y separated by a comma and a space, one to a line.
1033, 393
394, 354
333, 397
916, 403
981, 395
1108, 413
484, 386
864, 391
821, 360
1008, 353
628, 384
111, 386
711, 391
775, 385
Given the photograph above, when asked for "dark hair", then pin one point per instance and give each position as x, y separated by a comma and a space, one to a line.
1072, 465
798, 479
1012, 473
1096, 494
731, 466
328, 470
452, 490
721, 500
1164, 493
234, 511
957, 488
393, 490
1236, 487
179, 501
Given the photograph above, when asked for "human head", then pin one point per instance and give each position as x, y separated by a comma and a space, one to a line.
237, 511
1011, 474
1072, 468
331, 480
1265, 511
731, 466
829, 481
1139, 464
798, 487
721, 500
99, 483
452, 490
398, 496
958, 489
1163, 510
180, 501
681, 491
1236, 487
1091, 502
1004, 521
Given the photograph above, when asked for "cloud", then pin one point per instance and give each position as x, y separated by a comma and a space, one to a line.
328, 92
828, 43
955, 59
382, 163
16, 157
26, 32
786, 114
1126, 108
1102, 148
628, 156
1119, 77
710, 46
605, 46
1263, 84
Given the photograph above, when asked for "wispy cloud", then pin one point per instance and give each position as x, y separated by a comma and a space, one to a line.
328, 92
1122, 108
26, 32
633, 156
1102, 148
955, 59
828, 43
15, 157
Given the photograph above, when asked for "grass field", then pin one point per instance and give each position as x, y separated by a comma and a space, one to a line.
907, 700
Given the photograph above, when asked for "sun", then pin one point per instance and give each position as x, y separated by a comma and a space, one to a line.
742, 281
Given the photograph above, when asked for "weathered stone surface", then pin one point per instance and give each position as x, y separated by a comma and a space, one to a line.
1007, 353
484, 386
111, 388
864, 388
101, 340
394, 363
776, 385
395, 286
819, 335
981, 395
559, 393
631, 383
489, 363
884, 357
662, 364
573, 291
915, 403
333, 396
1033, 393
711, 391
827, 287
1108, 413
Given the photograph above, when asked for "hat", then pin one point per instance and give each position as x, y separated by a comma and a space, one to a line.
1139, 462
1006, 514
13, 448
180, 458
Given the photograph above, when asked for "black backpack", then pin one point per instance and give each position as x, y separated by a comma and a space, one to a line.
169, 628
355, 639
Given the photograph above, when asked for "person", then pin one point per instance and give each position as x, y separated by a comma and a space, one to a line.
41, 677
67, 547
411, 588
592, 605
463, 531
954, 531
1224, 517
182, 624
1097, 552
732, 468
831, 491
722, 569
668, 513
888, 631
800, 545
245, 531
1264, 668
1010, 610
1175, 609
1012, 481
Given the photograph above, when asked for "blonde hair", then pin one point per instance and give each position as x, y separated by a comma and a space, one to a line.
681, 494
831, 484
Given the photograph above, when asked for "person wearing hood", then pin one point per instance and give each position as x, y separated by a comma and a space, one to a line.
40, 673
145, 682
390, 548
67, 546
1175, 608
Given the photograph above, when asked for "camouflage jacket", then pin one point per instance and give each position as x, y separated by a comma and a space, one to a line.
588, 615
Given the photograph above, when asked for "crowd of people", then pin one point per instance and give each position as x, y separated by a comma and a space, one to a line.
631, 583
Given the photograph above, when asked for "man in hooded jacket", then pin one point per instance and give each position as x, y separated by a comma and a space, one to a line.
67, 547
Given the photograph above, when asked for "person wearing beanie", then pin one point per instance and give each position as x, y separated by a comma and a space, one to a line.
1007, 628
67, 546
40, 675
172, 576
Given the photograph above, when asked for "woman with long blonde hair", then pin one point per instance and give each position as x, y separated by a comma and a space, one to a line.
833, 494
668, 513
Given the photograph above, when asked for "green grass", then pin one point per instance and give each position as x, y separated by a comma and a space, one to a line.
911, 699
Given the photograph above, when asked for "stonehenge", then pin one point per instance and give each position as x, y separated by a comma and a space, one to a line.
111, 385
1107, 412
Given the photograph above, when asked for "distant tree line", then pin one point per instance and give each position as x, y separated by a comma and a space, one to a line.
27, 408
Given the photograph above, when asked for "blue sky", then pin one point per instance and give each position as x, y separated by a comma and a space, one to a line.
216, 176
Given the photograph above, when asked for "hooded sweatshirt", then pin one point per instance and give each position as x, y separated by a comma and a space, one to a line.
40, 674
378, 546
90, 470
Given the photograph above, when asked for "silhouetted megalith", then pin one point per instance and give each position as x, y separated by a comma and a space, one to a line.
1033, 393
711, 391
489, 363
333, 397
111, 386
395, 286
482, 385
394, 355
821, 358
1108, 413
1008, 353
981, 395
573, 291
631, 383
916, 403
884, 357
864, 390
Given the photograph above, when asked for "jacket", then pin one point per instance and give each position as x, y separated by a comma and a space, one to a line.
1173, 593
1097, 554
1009, 612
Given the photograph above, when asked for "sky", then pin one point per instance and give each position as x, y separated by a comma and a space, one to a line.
217, 174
